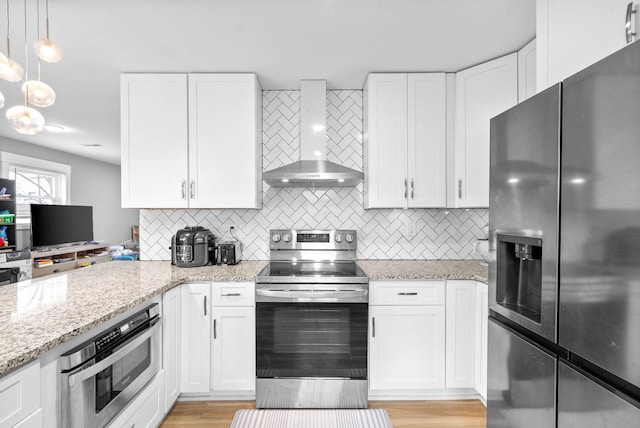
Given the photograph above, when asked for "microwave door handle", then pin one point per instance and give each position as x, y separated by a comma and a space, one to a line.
83, 374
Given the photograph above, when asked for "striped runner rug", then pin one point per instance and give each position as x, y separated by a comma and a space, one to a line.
311, 418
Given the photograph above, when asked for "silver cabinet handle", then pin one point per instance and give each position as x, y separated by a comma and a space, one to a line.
184, 189
215, 329
192, 189
405, 187
205, 306
232, 295
459, 188
373, 326
412, 188
627, 23
408, 294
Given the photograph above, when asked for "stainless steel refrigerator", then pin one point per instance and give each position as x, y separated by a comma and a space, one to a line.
564, 275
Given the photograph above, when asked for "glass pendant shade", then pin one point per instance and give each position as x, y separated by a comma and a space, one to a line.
40, 94
10, 70
25, 120
1, 100
48, 51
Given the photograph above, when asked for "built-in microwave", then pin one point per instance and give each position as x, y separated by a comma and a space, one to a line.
101, 376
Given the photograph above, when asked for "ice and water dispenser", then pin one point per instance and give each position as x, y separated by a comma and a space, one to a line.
519, 275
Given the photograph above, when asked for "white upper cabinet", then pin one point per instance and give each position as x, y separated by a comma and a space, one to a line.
154, 140
405, 145
225, 141
527, 71
481, 92
573, 34
191, 141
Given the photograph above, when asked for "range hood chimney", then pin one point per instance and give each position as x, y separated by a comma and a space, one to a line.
313, 169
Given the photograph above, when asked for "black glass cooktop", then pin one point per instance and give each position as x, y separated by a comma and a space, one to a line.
283, 270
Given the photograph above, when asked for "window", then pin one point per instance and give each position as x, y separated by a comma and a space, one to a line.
37, 182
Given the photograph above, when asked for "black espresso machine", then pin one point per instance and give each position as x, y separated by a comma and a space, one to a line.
193, 246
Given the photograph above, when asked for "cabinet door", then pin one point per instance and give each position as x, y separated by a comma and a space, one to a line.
427, 145
34, 420
19, 394
225, 141
195, 337
145, 409
385, 146
233, 349
171, 345
461, 302
154, 138
527, 71
406, 347
482, 319
573, 34
482, 92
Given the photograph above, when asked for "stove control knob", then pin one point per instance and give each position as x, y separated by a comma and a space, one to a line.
349, 238
338, 237
286, 237
276, 237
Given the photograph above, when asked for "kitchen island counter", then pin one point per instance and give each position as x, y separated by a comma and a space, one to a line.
40, 314
424, 269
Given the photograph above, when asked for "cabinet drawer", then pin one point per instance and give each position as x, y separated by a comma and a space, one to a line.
19, 394
406, 293
233, 294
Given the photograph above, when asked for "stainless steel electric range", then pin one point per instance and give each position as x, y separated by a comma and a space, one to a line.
311, 322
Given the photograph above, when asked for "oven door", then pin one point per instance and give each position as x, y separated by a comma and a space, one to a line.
319, 340
100, 389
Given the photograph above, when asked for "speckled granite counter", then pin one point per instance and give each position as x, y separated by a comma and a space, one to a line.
424, 269
36, 316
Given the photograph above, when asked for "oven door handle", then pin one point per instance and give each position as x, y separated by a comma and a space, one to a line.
83, 374
293, 295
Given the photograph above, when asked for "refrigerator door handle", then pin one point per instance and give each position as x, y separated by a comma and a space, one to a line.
627, 23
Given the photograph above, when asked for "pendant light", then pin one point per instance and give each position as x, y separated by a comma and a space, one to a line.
37, 92
46, 49
24, 119
9, 69
1, 100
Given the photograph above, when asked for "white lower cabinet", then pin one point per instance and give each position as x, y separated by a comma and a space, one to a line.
20, 396
146, 409
461, 303
34, 420
482, 320
407, 347
195, 338
171, 346
233, 349
407, 335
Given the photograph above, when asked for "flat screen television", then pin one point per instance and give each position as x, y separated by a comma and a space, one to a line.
60, 224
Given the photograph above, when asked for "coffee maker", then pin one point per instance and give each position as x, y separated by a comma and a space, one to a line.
193, 246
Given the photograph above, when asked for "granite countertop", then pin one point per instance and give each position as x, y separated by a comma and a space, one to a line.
424, 269
40, 314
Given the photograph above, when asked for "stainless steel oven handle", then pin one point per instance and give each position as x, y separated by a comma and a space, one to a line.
137, 340
311, 294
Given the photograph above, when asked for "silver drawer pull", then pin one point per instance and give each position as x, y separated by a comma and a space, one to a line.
413, 293
627, 23
232, 295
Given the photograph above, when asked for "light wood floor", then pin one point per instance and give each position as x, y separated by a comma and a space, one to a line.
403, 414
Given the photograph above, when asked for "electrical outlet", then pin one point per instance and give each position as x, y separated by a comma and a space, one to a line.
411, 229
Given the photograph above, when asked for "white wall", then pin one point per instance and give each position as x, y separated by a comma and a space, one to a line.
93, 183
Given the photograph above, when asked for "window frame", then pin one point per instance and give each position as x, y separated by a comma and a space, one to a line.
8, 160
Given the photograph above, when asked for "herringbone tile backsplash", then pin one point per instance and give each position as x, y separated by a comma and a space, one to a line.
382, 233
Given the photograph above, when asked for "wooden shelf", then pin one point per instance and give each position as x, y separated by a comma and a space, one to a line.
74, 257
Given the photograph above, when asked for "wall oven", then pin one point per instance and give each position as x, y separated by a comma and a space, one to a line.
312, 324
101, 376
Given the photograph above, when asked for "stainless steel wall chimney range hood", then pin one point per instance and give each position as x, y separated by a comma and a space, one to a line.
313, 169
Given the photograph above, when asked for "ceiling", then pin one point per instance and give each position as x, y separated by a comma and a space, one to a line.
282, 41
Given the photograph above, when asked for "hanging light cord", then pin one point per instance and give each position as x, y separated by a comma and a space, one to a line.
26, 53
8, 43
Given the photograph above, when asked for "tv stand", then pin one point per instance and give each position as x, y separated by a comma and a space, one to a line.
67, 258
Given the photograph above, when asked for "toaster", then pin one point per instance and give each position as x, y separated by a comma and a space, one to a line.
229, 252
193, 246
